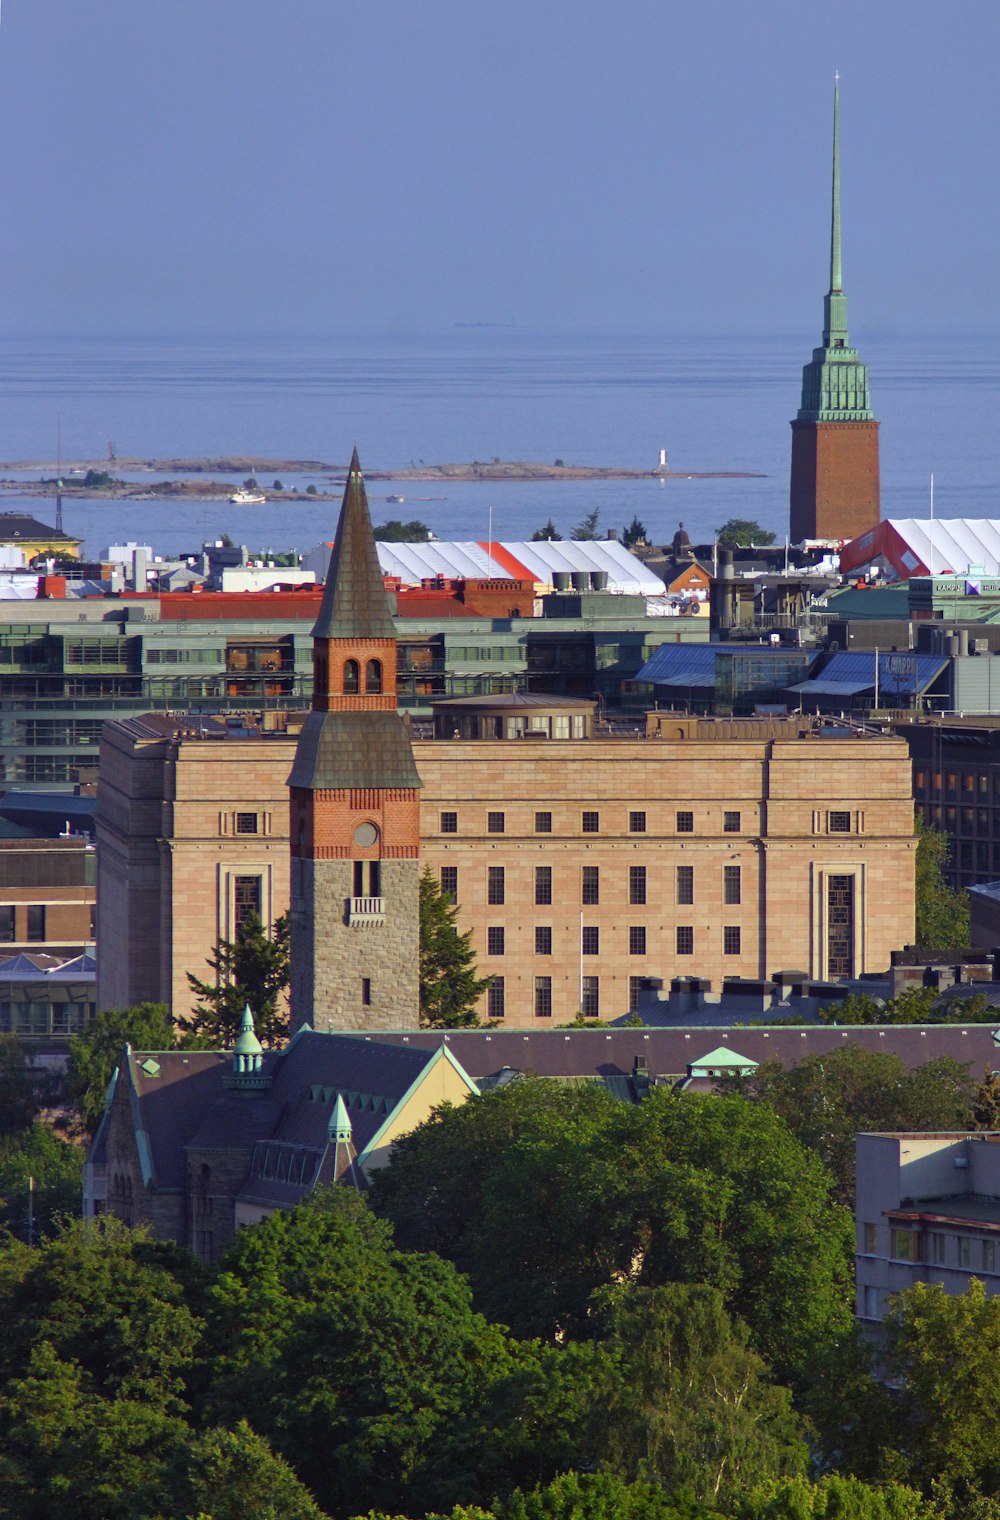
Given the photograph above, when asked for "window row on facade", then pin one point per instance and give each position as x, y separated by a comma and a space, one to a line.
590, 939
937, 1248
588, 821
636, 882
587, 1001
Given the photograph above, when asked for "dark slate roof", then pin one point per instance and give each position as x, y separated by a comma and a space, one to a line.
355, 603
348, 749
171, 1103
611, 1052
14, 525
503, 701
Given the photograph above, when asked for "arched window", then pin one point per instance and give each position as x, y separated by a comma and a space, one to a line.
373, 676
352, 677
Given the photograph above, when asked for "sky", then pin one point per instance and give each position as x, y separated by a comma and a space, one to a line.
324, 166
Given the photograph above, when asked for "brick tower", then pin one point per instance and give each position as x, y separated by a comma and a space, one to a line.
835, 484
355, 824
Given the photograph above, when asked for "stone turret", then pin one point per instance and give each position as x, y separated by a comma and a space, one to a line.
355, 823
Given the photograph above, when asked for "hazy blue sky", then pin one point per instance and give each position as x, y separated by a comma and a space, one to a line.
329, 165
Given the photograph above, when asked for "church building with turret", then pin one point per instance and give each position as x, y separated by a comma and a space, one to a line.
355, 816
835, 470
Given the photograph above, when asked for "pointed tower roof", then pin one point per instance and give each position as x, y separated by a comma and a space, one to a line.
835, 305
247, 1043
355, 604
341, 1127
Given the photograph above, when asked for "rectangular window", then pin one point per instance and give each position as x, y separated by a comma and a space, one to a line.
543, 997
637, 823
591, 884
543, 885
495, 884
989, 1256
685, 823
36, 917
840, 926
590, 942
591, 823
7, 923
494, 939
902, 1245
590, 1003
938, 1248
543, 823
246, 902
685, 884
731, 939
495, 999
838, 823
366, 992
685, 939
731, 885
871, 1303
494, 823
449, 823
449, 882
634, 992
246, 823
543, 939
730, 823
636, 939
871, 1237
637, 885
964, 1252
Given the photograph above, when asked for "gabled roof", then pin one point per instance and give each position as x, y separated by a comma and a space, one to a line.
355, 603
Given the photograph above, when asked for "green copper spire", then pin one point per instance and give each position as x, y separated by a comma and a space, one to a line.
834, 384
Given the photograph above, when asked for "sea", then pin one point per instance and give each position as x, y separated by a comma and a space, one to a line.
464, 394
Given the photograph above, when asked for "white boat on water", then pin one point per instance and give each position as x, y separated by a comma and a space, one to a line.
248, 498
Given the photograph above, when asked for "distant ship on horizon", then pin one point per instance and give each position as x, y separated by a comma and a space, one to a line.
510, 323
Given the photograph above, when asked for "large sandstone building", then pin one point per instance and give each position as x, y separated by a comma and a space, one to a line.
835, 469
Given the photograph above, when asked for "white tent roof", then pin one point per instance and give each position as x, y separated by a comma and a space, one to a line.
952, 543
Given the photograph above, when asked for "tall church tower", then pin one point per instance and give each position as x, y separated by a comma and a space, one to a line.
355, 822
835, 482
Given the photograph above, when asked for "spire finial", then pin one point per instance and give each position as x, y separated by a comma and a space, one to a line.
836, 273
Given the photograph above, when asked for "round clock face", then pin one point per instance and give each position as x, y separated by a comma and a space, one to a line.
365, 835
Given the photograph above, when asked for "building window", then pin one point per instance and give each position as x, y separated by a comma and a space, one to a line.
374, 888
938, 1248
636, 939
373, 677
871, 1303
591, 884
838, 823
685, 884
7, 923
495, 885
964, 1252
730, 823
449, 823
494, 940
543, 940
731, 939
366, 992
635, 985
590, 1003
637, 885
637, 823
543, 823
871, 1237
989, 1256
685, 939
902, 1245
840, 926
449, 882
36, 920
685, 823
591, 823
731, 885
495, 999
590, 942
246, 823
352, 677
495, 823
543, 997
543, 885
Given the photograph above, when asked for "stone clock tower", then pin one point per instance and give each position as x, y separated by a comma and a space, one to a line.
835, 475
355, 822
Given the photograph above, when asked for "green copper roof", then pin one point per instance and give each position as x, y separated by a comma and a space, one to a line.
355, 604
247, 1043
340, 1122
834, 383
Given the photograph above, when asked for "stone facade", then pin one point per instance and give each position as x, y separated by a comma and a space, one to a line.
835, 489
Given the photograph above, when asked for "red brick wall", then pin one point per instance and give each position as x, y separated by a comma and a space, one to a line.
330, 818
835, 479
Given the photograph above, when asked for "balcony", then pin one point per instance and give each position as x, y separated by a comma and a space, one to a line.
364, 912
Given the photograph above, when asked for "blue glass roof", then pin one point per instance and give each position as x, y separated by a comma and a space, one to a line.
694, 664
901, 671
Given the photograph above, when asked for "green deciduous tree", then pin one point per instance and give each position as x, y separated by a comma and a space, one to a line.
396, 532
449, 987
21, 1088
253, 969
942, 914
834, 1498
94, 1054
55, 1170
742, 533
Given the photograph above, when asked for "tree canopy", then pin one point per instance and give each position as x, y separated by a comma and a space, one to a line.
449, 986
254, 969
396, 532
742, 533
548, 531
942, 913
93, 1055
586, 528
